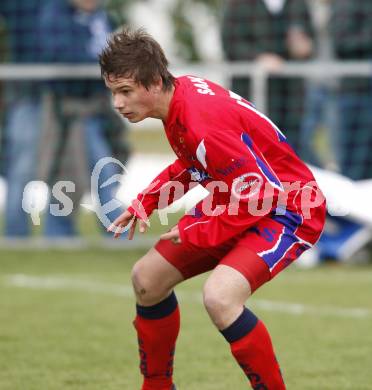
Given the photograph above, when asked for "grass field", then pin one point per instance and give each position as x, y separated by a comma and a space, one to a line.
65, 323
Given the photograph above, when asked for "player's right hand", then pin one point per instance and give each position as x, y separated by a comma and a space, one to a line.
118, 226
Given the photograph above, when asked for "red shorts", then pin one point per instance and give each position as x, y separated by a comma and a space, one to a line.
259, 253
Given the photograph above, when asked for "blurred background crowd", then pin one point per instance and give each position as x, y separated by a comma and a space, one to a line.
305, 63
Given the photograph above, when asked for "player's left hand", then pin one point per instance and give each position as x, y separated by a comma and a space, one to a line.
173, 235
118, 226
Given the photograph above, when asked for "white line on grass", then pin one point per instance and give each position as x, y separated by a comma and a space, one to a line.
65, 283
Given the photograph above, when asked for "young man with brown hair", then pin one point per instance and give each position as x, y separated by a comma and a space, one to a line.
264, 209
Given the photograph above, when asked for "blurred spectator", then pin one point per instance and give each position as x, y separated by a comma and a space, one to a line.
320, 106
270, 32
352, 38
21, 127
2, 103
74, 32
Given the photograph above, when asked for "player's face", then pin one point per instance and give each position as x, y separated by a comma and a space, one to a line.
133, 100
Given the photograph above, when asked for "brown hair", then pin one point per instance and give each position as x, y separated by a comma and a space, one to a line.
135, 54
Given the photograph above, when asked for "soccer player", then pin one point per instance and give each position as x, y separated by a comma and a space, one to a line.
263, 211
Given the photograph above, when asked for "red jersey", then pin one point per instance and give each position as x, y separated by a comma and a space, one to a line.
223, 143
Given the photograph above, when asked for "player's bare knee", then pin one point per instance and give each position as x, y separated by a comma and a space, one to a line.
216, 303
147, 289
138, 279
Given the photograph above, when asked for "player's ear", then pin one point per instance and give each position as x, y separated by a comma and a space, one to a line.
158, 85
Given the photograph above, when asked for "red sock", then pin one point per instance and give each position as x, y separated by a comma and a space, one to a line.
157, 329
252, 348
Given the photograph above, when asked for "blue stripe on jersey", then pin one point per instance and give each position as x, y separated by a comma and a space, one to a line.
287, 218
282, 137
285, 241
247, 140
264, 168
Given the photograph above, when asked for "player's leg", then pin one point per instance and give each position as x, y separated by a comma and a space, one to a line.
265, 250
225, 294
157, 321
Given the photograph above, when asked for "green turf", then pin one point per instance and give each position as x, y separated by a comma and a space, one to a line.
72, 328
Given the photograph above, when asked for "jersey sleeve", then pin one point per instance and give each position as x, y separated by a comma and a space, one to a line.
249, 187
171, 184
